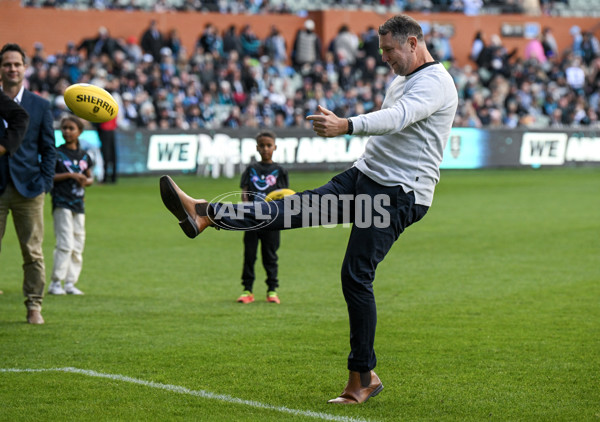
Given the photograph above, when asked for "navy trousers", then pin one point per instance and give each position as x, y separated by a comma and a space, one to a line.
379, 214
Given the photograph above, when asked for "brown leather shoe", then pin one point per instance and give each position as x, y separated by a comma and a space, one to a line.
357, 392
34, 317
191, 213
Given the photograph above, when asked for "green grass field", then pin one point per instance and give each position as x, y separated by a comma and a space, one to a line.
489, 309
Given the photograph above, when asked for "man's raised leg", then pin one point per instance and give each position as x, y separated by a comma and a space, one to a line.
191, 213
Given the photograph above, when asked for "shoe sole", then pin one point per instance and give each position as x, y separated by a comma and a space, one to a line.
173, 203
375, 392
353, 402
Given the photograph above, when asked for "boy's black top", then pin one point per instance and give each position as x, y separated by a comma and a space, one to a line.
260, 179
68, 193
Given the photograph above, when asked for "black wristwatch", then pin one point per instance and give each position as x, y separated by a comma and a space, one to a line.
350, 127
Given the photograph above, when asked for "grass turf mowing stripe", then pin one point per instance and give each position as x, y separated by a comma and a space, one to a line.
197, 393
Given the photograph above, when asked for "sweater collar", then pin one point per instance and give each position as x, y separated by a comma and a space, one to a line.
423, 66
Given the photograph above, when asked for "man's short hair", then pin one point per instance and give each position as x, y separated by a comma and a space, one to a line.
12, 47
402, 27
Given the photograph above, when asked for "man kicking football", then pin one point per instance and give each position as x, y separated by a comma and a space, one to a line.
388, 188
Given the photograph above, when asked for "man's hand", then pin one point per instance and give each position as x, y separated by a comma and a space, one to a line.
2, 150
328, 124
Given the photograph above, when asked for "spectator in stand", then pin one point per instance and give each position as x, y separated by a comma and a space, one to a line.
72, 63
472, 7
442, 44
234, 119
161, 6
252, 116
152, 41
168, 70
307, 46
256, 6
496, 58
103, 43
225, 96
251, 45
575, 32
173, 41
231, 42
345, 46
147, 117
275, 46
590, 48
208, 6
535, 50
248, 76
133, 50
39, 57
207, 109
38, 78
477, 47
348, 78
549, 43
128, 112
511, 117
575, 74
368, 72
370, 45
209, 40
238, 88
470, 114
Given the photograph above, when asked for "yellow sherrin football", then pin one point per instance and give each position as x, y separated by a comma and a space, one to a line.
92, 103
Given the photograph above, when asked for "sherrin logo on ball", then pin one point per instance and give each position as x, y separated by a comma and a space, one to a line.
90, 102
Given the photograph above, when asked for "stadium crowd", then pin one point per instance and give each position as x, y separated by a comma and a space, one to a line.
469, 7
252, 6
234, 79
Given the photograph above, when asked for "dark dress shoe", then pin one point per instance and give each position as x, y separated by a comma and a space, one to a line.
175, 200
357, 392
34, 317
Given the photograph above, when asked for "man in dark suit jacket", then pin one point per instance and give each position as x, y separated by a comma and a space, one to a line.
26, 176
152, 41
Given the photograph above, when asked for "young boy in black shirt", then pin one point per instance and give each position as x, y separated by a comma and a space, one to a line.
259, 179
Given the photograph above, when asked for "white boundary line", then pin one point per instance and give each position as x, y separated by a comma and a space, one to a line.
197, 393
